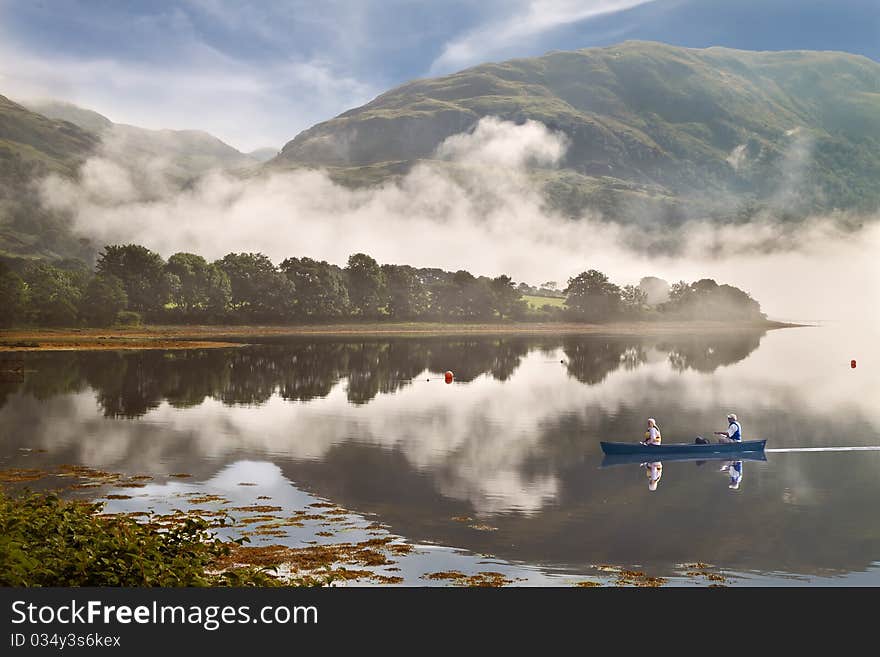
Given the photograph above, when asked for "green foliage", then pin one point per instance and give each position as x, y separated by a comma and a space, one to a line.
13, 297
633, 300
244, 287
129, 318
471, 296
142, 273
53, 295
707, 300
198, 286
365, 285
46, 541
591, 297
104, 298
259, 290
321, 291
407, 297
463, 297
507, 299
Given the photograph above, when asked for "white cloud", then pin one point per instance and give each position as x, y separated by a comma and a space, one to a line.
521, 24
247, 105
499, 143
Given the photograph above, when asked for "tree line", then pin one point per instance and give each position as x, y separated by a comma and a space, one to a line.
130, 284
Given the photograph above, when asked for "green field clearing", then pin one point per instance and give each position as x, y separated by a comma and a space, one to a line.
540, 302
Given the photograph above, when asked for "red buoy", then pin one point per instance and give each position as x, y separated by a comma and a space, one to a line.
448, 376
852, 364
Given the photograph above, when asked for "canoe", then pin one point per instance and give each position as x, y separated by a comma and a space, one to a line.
610, 460
656, 452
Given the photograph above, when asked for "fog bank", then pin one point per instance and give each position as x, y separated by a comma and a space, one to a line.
474, 208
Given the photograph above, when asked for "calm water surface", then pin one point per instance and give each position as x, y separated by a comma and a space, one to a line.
512, 445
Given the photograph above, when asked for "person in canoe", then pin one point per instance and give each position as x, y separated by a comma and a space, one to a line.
652, 435
734, 431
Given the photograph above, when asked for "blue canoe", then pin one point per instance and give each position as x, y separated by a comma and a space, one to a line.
610, 460
657, 452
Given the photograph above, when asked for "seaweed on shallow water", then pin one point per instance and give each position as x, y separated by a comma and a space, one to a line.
198, 498
257, 508
482, 579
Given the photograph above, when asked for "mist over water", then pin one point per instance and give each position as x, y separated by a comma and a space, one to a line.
474, 208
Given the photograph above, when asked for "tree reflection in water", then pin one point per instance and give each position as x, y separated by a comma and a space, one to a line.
130, 383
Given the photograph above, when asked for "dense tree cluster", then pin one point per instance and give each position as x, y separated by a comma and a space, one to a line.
591, 297
131, 283
705, 299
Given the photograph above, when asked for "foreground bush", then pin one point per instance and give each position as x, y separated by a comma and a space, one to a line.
46, 541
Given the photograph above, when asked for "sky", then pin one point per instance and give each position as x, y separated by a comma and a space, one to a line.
257, 73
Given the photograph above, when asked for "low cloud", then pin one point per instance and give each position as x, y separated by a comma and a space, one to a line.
494, 142
475, 208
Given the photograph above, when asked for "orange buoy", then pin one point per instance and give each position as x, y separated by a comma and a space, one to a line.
448, 376
852, 364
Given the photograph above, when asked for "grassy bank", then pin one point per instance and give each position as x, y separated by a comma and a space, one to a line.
47, 541
215, 336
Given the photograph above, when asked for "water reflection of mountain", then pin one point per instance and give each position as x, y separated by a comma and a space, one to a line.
128, 384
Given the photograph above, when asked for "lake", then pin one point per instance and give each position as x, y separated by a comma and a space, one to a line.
500, 470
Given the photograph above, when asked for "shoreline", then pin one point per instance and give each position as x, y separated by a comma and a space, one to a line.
226, 336
312, 542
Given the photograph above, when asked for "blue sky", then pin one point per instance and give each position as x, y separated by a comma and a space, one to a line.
256, 73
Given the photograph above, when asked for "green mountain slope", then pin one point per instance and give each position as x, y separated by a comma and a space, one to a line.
32, 146
190, 152
58, 145
650, 126
84, 118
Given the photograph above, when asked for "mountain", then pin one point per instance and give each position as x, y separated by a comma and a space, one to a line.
652, 129
54, 137
84, 118
32, 146
35, 139
263, 154
190, 152
657, 134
